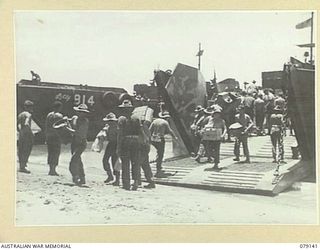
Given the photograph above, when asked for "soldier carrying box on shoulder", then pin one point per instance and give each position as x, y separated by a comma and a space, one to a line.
213, 133
52, 138
26, 137
79, 128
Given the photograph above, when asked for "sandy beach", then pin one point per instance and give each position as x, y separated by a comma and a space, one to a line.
50, 200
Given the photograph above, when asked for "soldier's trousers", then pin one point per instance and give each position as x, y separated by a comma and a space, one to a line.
249, 112
259, 121
160, 152
110, 152
54, 149
145, 165
213, 149
25, 144
243, 139
277, 141
268, 122
130, 154
76, 165
196, 141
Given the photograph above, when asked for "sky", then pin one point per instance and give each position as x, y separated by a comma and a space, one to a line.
119, 49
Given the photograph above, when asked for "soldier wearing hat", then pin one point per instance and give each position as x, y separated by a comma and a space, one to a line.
252, 88
111, 131
25, 141
52, 138
276, 133
200, 125
213, 146
246, 123
269, 106
195, 130
80, 126
259, 113
129, 145
144, 155
158, 129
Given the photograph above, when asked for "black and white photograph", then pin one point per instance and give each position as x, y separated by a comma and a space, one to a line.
165, 118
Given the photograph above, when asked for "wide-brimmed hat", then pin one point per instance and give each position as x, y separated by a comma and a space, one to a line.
217, 110
199, 108
213, 108
28, 103
209, 110
82, 108
236, 125
277, 108
126, 104
110, 117
164, 114
240, 107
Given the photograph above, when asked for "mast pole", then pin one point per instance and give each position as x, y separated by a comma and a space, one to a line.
199, 55
311, 48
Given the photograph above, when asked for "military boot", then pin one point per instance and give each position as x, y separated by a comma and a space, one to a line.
110, 178
24, 170
117, 175
52, 171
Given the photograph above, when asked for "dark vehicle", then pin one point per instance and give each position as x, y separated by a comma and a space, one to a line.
272, 80
100, 101
299, 81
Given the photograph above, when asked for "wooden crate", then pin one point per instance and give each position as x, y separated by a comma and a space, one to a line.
212, 134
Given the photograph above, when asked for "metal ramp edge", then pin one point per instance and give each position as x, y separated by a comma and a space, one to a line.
228, 180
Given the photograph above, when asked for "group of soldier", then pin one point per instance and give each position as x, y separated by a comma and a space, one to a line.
129, 138
128, 143
256, 109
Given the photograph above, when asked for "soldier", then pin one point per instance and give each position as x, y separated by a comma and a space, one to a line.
194, 127
205, 147
276, 134
25, 141
269, 105
80, 126
252, 88
259, 113
200, 124
280, 101
35, 77
248, 102
246, 123
129, 145
144, 155
111, 130
52, 138
158, 128
216, 122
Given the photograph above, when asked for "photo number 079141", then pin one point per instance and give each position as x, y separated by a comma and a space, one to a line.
169, 130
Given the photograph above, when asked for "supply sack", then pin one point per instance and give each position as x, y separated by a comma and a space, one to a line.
212, 134
97, 145
62, 131
143, 113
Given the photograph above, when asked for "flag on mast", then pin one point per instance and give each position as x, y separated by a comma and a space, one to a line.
200, 53
307, 45
304, 24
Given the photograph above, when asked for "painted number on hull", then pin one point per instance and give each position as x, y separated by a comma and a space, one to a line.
83, 99
62, 97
